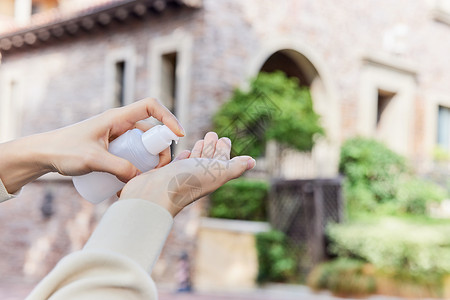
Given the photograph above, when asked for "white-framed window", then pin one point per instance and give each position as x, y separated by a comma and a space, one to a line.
169, 82
436, 127
170, 68
10, 108
443, 127
387, 101
385, 110
120, 73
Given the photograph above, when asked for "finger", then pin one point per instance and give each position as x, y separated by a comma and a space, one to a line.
144, 109
141, 125
144, 126
197, 149
121, 168
223, 149
209, 145
183, 155
238, 165
221, 171
164, 158
199, 181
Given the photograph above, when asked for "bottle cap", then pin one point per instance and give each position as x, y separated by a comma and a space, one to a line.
158, 138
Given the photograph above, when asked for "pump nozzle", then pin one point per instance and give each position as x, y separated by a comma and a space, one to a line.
158, 138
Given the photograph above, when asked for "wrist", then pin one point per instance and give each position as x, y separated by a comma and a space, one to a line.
160, 201
155, 198
22, 162
169, 206
153, 188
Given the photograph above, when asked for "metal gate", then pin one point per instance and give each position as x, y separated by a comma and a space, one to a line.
302, 209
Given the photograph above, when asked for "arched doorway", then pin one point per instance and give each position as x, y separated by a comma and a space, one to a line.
298, 61
281, 60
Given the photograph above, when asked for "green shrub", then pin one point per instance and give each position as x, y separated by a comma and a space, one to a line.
441, 154
343, 277
241, 199
407, 250
414, 246
347, 277
276, 259
274, 108
378, 180
414, 194
359, 198
371, 169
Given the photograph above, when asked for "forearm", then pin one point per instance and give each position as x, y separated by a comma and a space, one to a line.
135, 228
22, 161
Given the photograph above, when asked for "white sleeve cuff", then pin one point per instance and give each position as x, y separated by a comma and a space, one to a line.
4, 195
135, 228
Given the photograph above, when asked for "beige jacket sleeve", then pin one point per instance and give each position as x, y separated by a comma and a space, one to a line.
4, 195
116, 261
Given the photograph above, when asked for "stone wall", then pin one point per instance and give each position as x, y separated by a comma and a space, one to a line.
33, 243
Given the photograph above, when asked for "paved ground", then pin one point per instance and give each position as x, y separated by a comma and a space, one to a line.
15, 291
272, 292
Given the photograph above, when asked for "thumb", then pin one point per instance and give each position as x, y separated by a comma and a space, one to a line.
121, 168
183, 155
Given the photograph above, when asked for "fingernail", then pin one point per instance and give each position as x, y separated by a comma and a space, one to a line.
251, 163
181, 129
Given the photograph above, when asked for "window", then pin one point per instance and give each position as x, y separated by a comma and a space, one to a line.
436, 129
387, 115
169, 80
387, 101
22, 10
36, 8
384, 99
119, 77
169, 84
170, 71
39, 6
119, 84
443, 130
9, 111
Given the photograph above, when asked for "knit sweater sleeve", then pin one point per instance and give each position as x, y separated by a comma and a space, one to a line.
4, 195
116, 261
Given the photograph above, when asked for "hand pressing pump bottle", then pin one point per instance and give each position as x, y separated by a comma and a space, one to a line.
140, 148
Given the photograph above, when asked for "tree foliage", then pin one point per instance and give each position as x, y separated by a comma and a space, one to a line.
274, 108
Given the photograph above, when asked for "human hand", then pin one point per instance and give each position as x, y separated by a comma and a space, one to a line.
192, 175
83, 147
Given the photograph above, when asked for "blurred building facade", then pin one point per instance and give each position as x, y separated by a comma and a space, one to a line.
375, 68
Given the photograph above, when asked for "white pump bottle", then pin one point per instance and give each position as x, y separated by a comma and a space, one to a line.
140, 148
